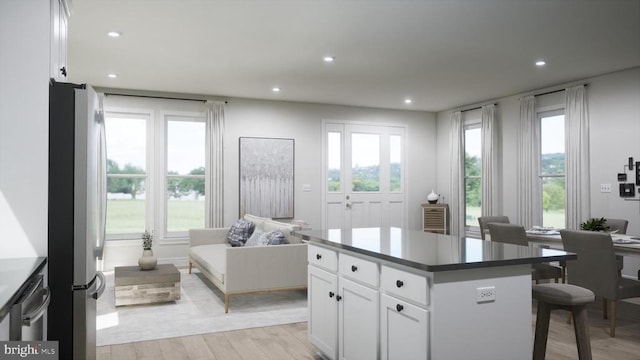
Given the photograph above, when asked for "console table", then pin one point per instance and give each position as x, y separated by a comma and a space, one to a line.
391, 293
135, 286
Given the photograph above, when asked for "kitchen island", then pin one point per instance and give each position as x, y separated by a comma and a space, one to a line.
390, 293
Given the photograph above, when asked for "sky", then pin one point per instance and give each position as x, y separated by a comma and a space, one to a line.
126, 143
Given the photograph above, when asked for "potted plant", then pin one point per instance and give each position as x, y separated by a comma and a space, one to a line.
595, 224
148, 261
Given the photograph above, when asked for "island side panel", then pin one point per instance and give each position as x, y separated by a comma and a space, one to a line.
464, 328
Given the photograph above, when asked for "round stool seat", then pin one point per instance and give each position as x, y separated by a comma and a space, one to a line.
562, 294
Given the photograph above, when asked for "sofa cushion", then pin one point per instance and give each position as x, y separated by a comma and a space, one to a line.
276, 238
285, 228
212, 257
240, 232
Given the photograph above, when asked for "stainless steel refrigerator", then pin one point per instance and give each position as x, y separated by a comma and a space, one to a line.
77, 209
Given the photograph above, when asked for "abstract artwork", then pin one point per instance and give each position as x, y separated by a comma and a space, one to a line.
266, 177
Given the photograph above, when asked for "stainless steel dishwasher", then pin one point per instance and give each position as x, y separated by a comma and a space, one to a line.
27, 322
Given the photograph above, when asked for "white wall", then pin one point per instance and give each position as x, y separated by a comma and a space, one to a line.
614, 110
24, 127
302, 122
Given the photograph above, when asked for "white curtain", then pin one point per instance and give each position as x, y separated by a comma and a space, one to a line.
576, 120
456, 144
529, 187
215, 176
490, 163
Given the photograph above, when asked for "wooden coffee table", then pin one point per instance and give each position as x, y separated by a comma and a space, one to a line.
135, 286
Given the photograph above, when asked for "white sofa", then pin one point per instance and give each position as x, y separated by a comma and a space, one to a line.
249, 269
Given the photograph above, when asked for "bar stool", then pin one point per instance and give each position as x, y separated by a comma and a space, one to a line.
569, 297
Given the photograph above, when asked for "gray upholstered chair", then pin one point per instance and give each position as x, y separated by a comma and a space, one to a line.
597, 270
562, 296
617, 224
515, 234
484, 220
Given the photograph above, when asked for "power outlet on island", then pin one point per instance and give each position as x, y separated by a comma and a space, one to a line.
485, 294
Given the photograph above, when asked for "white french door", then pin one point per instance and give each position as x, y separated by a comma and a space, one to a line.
364, 169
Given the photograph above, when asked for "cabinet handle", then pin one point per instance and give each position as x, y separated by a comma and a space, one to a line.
354, 268
63, 71
399, 283
338, 298
399, 307
318, 256
331, 294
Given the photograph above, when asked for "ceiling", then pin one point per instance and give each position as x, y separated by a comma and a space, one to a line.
441, 54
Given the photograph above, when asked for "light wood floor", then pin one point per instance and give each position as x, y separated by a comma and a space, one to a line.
290, 341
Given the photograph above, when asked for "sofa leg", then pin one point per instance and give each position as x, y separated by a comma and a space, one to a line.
226, 303
190, 266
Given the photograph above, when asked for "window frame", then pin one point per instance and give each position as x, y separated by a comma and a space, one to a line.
156, 167
163, 175
471, 124
541, 114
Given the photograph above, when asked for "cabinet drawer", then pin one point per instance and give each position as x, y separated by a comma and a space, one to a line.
358, 269
404, 284
322, 257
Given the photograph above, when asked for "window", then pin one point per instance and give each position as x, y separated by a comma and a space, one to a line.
185, 174
155, 171
334, 146
395, 163
365, 162
552, 168
472, 174
126, 172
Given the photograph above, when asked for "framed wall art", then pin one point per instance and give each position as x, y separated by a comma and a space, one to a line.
266, 177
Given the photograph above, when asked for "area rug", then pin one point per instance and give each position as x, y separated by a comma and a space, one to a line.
200, 310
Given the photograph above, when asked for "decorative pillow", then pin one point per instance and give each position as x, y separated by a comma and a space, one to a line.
276, 238
240, 232
258, 238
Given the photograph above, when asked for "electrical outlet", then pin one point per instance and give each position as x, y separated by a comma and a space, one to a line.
605, 188
485, 294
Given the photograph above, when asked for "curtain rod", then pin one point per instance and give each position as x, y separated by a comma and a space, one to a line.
554, 91
160, 97
476, 108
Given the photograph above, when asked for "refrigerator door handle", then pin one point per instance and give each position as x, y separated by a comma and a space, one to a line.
37, 313
102, 184
103, 284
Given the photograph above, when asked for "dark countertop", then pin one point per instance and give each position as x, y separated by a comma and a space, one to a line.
432, 252
14, 277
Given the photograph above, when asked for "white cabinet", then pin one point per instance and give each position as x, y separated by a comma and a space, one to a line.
361, 309
403, 330
323, 310
357, 321
58, 45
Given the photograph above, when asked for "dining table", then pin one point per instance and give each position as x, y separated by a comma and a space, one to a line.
623, 244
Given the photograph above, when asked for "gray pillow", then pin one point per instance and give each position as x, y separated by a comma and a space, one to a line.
240, 232
258, 238
276, 238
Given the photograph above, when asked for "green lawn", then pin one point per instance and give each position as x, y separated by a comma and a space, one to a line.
127, 216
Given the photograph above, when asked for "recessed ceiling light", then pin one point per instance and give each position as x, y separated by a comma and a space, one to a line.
275, 89
329, 59
114, 34
112, 76
541, 63
408, 101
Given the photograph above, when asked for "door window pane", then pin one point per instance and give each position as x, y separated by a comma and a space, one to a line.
472, 175
334, 154
185, 174
552, 169
395, 163
365, 162
126, 173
